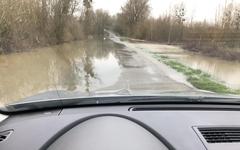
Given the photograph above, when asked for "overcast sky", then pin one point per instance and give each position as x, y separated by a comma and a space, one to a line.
197, 9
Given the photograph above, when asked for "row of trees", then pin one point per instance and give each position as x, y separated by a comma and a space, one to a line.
31, 23
135, 21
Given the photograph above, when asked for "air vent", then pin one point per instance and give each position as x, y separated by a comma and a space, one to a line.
4, 135
185, 107
221, 135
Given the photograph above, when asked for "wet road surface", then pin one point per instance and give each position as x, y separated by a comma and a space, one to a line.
141, 72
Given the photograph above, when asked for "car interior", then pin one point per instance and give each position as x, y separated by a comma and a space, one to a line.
119, 75
129, 127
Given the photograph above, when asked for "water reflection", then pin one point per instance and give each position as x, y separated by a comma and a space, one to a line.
110, 72
76, 66
227, 72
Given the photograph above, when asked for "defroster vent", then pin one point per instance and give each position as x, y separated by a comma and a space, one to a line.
221, 135
4, 135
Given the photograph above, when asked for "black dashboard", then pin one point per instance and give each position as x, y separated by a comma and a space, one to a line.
122, 127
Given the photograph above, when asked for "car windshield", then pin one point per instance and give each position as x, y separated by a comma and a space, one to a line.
65, 49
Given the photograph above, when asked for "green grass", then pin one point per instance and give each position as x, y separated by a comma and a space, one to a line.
196, 77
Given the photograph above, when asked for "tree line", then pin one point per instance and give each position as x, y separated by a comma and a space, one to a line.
32, 23
135, 21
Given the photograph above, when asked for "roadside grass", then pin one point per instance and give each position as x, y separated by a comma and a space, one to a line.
196, 77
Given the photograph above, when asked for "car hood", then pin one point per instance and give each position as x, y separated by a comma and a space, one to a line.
61, 94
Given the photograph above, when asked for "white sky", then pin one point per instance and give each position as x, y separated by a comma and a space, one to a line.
196, 9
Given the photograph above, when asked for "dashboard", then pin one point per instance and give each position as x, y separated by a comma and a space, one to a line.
123, 127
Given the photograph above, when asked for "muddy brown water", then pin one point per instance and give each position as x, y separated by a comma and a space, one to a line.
82, 66
88, 66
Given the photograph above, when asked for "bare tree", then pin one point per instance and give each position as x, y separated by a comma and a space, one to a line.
61, 12
101, 21
180, 12
227, 17
135, 11
88, 16
177, 21
236, 19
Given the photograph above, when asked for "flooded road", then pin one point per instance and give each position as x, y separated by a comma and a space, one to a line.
82, 66
87, 67
103, 67
227, 72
